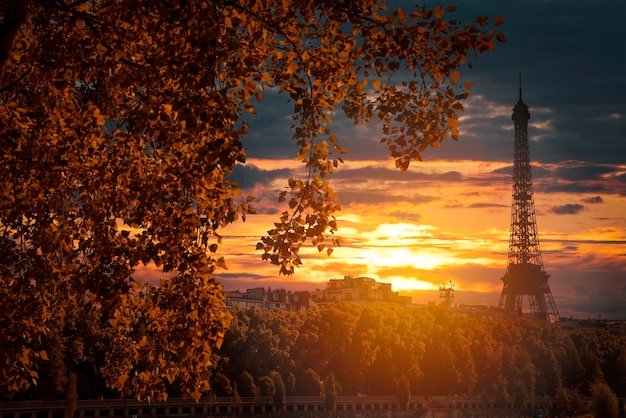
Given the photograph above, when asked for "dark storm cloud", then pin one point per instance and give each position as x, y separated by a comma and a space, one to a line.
248, 176
567, 53
584, 241
576, 178
572, 81
568, 171
225, 277
487, 205
569, 209
569, 188
593, 200
586, 172
392, 174
374, 196
405, 215
269, 135
537, 172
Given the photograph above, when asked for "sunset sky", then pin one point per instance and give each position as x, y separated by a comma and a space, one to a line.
448, 218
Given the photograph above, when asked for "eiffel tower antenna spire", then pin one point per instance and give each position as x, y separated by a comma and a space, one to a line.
525, 276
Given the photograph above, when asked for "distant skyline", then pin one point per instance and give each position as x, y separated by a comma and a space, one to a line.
448, 218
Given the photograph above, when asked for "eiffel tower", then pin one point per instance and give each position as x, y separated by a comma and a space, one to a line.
525, 275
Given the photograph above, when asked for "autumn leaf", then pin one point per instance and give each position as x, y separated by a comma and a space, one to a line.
120, 134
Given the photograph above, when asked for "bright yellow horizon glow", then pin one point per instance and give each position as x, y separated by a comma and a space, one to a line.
420, 233
401, 257
406, 284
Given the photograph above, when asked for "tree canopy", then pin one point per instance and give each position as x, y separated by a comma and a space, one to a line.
516, 362
434, 350
121, 122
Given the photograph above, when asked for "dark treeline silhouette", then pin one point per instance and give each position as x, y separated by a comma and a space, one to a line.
376, 349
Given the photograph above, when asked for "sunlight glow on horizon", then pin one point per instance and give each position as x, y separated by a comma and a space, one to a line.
428, 227
406, 284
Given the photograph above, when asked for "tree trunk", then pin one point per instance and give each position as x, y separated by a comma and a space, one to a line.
71, 397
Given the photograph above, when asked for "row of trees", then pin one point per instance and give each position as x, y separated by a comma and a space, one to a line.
389, 350
369, 348
378, 349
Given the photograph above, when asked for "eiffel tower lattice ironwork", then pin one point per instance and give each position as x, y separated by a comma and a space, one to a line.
525, 275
